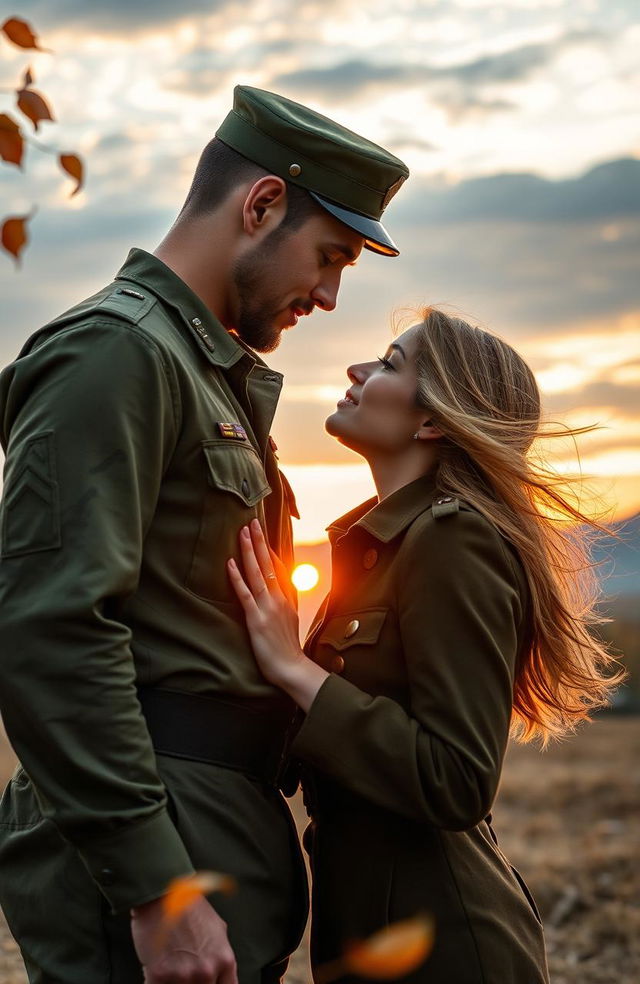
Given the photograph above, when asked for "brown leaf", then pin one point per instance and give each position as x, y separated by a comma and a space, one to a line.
183, 892
20, 33
11, 142
72, 164
393, 952
33, 105
14, 234
28, 78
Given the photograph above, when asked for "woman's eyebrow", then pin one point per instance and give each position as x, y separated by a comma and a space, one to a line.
394, 345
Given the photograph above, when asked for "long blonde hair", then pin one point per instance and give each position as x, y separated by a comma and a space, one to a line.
484, 399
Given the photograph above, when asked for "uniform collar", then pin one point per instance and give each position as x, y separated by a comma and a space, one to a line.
386, 519
214, 341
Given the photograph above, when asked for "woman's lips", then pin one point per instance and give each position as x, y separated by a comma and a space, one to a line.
347, 401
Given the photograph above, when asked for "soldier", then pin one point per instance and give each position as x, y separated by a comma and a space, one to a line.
136, 431
459, 608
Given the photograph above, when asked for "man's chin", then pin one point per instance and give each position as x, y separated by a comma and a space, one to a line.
261, 339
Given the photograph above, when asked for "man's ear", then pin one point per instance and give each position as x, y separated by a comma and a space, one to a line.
265, 205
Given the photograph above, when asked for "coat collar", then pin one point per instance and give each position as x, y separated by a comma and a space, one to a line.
386, 519
220, 347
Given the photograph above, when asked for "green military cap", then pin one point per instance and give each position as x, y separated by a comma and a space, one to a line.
351, 177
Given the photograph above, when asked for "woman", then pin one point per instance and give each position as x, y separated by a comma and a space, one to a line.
458, 611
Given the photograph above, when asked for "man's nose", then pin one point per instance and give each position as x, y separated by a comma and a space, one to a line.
325, 294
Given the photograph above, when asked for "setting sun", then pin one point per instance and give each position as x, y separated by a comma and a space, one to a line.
305, 577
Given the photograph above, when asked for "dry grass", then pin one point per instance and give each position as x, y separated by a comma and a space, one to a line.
569, 819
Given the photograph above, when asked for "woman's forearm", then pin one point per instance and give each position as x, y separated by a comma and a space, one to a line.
302, 681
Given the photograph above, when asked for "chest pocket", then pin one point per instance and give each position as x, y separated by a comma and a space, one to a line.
355, 629
235, 486
354, 645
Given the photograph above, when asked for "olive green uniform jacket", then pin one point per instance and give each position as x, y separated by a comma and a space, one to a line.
123, 497
404, 742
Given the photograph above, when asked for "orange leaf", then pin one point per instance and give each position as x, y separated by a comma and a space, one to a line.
14, 234
33, 105
72, 164
11, 142
393, 952
183, 892
20, 33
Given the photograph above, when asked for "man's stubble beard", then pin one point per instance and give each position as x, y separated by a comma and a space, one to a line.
257, 309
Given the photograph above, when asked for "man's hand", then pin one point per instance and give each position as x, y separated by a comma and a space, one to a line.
195, 950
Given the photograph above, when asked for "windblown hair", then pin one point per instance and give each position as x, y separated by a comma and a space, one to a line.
484, 399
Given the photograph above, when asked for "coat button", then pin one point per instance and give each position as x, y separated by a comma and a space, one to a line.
245, 487
337, 664
351, 628
107, 876
370, 559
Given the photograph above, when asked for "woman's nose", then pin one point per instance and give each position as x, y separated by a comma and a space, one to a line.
355, 374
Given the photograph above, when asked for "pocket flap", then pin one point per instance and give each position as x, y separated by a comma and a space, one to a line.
236, 468
354, 629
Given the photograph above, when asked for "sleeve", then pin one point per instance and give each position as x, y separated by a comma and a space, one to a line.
459, 608
89, 421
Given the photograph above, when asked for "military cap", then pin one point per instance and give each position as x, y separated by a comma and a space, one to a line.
351, 177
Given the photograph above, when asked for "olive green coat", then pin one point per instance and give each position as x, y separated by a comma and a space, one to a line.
404, 743
123, 498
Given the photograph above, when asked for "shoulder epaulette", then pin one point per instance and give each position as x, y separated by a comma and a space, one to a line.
127, 303
445, 505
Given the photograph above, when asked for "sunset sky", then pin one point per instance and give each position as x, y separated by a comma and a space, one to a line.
520, 122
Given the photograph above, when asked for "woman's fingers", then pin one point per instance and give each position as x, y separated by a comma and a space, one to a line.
262, 551
244, 593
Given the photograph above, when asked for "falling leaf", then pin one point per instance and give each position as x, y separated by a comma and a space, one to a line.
14, 234
11, 142
393, 952
72, 164
20, 33
33, 105
183, 892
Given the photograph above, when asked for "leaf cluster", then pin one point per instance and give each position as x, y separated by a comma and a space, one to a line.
34, 106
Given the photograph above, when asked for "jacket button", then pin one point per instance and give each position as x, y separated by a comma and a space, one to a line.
351, 628
370, 559
107, 877
245, 487
337, 664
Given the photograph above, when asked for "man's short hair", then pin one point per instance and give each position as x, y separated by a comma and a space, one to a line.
221, 169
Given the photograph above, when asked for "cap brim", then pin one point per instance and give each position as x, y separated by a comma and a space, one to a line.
375, 235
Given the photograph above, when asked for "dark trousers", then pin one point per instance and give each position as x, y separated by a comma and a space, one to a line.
63, 925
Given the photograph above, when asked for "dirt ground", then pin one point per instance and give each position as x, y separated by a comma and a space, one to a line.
569, 819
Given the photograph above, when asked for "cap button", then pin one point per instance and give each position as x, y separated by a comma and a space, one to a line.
294, 170
351, 628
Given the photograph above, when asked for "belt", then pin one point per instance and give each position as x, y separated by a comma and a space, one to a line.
248, 735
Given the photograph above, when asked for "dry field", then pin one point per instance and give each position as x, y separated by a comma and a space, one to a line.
569, 819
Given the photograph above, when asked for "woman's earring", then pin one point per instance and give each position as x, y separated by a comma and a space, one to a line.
416, 436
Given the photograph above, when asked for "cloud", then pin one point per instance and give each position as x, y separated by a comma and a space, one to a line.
453, 87
602, 393
607, 191
116, 17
